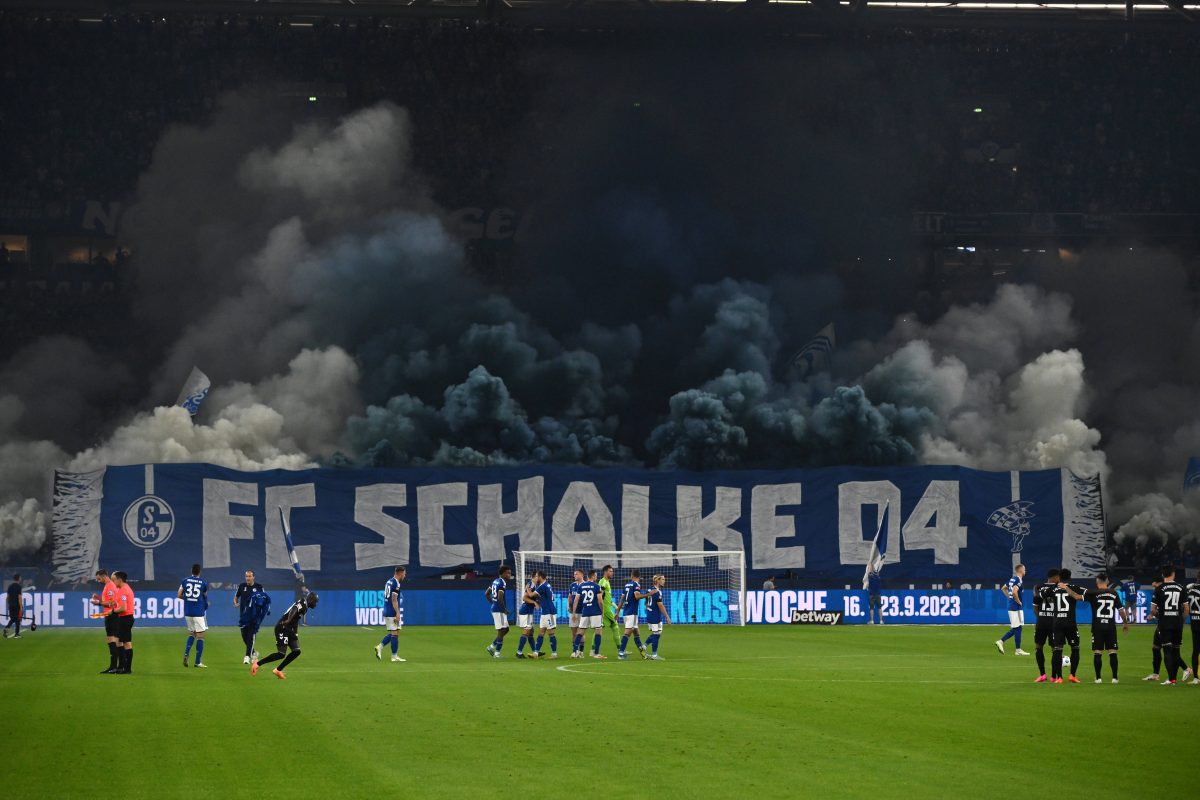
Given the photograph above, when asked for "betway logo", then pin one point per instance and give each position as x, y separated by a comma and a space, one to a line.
816, 617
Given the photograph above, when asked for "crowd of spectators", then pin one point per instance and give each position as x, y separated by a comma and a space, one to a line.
997, 120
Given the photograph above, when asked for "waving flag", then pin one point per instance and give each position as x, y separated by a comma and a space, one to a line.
1191, 478
817, 352
291, 548
195, 389
878, 546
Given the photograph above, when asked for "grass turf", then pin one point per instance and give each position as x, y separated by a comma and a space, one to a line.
783, 711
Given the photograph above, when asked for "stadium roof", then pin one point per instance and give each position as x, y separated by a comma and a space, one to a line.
790, 14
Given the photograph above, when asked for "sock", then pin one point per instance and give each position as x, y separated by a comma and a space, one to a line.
521, 644
553, 643
499, 645
1112, 662
395, 645
577, 644
1196, 655
112, 655
1157, 660
1008, 634
270, 658
129, 659
653, 642
292, 656
1056, 663
1041, 661
624, 642
537, 646
1074, 659
1017, 636
1097, 662
637, 640
596, 643
1172, 662
199, 650
384, 642
187, 650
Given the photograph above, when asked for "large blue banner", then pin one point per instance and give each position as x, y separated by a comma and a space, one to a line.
463, 607
351, 526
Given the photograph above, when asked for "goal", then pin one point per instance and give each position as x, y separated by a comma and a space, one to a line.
703, 587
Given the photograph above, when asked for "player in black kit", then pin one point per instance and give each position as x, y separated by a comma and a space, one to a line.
1193, 603
1106, 603
287, 636
1169, 606
1066, 631
1045, 620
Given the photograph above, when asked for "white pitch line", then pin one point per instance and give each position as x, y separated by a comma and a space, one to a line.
568, 668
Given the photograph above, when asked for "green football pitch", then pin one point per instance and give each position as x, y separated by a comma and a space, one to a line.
784, 711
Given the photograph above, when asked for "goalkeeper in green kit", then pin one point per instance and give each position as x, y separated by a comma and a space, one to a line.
610, 613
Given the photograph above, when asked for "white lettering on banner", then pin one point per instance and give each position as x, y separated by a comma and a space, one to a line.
939, 505
44, 608
219, 525
767, 528
497, 224
777, 606
946, 536
695, 528
527, 520
854, 543
582, 496
432, 502
369, 504
635, 519
300, 495
97, 215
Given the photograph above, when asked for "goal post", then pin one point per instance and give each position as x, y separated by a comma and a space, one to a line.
702, 587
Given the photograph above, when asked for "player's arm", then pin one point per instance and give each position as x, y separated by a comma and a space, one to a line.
666, 616
179, 592
1007, 591
394, 599
1072, 592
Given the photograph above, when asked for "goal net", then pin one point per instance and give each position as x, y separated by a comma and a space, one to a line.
702, 587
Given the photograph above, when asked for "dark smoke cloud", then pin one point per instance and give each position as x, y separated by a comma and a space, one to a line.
674, 271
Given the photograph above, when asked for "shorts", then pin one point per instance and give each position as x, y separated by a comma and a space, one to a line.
1065, 633
1016, 619
1043, 632
1170, 637
525, 620
548, 622
125, 628
655, 627
874, 600
1104, 638
574, 620
594, 621
631, 621
111, 625
393, 623
196, 624
500, 620
287, 640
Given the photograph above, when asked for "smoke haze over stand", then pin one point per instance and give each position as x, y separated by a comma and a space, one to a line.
337, 315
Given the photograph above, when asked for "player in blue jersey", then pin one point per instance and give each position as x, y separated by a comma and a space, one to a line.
591, 615
549, 614
529, 604
495, 595
631, 601
194, 593
656, 612
573, 611
393, 614
1016, 610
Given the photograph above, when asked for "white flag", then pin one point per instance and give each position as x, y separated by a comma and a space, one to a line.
194, 391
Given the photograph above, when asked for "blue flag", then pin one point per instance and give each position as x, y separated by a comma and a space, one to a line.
291, 548
878, 547
816, 352
195, 389
1191, 478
